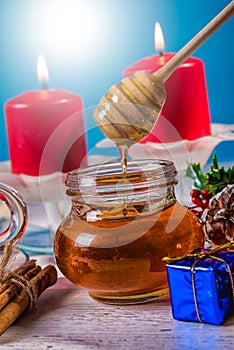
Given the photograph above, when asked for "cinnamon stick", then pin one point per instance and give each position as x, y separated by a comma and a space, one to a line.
13, 289
27, 266
43, 280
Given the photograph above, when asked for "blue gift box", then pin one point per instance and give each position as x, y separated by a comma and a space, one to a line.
201, 286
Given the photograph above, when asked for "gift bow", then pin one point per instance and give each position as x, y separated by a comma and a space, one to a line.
199, 256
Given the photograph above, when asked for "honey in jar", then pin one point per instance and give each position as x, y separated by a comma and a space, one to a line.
120, 227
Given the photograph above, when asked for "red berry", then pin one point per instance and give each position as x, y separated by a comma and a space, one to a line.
195, 193
205, 203
206, 194
197, 201
200, 199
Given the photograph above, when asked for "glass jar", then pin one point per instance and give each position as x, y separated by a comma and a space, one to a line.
120, 227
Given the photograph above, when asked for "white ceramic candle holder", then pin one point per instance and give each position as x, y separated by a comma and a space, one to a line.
180, 152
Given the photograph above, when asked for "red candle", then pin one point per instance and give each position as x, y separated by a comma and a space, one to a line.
45, 130
185, 114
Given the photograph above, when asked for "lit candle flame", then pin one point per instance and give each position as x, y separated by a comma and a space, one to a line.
42, 72
158, 38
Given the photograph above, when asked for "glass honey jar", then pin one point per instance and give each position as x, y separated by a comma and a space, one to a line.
120, 227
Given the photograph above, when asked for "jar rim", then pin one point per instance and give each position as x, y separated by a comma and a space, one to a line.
106, 176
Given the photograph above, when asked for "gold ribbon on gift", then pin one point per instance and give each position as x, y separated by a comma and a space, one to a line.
200, 256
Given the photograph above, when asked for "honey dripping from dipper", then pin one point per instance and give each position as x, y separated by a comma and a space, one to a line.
124, 123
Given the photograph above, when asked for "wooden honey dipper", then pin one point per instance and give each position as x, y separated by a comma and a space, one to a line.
129, 110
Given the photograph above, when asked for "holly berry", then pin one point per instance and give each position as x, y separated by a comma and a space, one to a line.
200, 199
195, 193
206, 194
197, 201
205, 203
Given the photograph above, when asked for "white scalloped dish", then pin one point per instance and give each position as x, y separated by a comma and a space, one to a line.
180, 152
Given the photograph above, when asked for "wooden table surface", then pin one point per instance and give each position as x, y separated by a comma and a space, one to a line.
65, 317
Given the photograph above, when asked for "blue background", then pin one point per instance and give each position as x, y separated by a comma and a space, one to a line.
88, 43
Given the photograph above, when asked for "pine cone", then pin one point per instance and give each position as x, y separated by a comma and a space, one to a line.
219, 218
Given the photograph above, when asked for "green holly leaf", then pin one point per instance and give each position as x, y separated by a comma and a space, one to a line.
195, 172
215, 180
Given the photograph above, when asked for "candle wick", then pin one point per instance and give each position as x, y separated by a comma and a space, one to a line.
44, 86
160, 53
